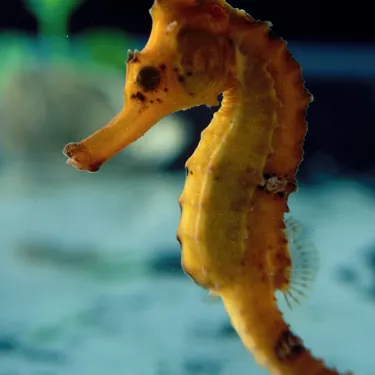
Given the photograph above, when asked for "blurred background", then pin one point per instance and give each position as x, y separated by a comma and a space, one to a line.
90, 275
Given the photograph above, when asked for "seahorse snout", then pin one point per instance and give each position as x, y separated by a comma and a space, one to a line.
79, 157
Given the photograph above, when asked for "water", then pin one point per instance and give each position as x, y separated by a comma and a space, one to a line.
90, 280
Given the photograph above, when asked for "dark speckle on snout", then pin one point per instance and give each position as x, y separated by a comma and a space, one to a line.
139, 96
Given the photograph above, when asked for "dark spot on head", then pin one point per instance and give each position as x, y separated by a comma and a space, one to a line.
181, 78
266, 176
151, 101
165, 89
140, 96
230, 41
280, 194
149, 78
163, 67
175, 69
288, 346
158, 100
189, 74
191, 93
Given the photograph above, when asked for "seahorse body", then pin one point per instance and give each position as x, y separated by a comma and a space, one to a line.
232, 228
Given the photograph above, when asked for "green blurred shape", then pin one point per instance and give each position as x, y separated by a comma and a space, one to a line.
46, 334
104, 47
52, 15
108, 47
16, 54
47, 6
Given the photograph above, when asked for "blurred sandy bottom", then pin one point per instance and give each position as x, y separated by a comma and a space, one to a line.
90, 282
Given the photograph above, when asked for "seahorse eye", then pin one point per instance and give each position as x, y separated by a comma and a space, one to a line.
149, 78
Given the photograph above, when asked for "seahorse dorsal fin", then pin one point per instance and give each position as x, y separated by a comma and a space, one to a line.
304, 262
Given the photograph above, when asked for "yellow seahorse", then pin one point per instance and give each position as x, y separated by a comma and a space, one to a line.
232, 229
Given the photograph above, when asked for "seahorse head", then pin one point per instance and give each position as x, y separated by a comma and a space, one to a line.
187, 61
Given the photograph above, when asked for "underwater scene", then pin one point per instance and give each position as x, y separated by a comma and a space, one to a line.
90, 269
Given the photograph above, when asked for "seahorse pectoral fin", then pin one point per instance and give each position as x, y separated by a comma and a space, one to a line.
305, 262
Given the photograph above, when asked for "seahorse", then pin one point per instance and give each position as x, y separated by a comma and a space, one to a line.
233, 232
